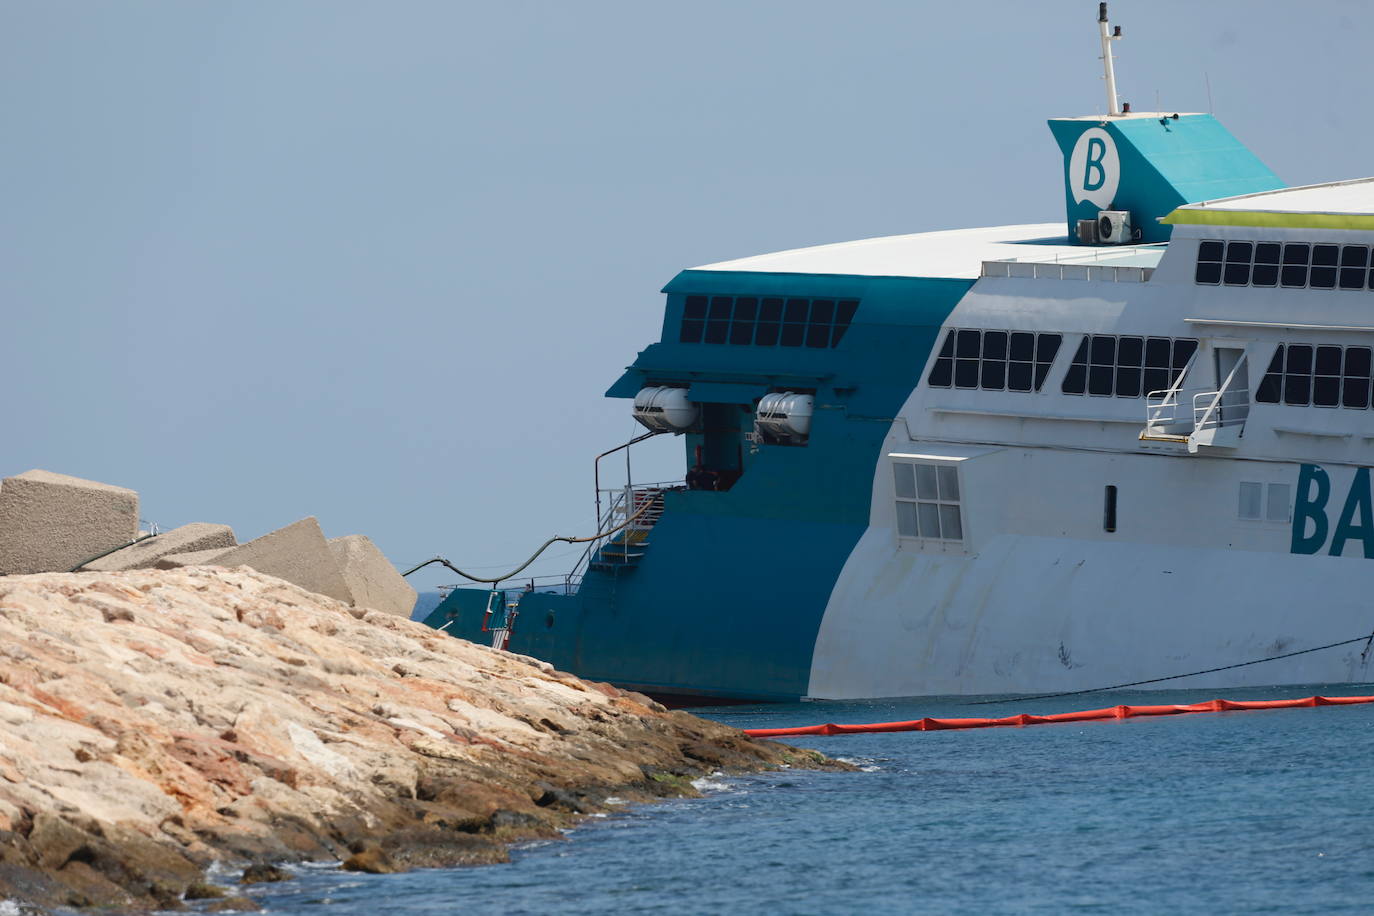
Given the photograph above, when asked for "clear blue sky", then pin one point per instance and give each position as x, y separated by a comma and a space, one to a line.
377, 262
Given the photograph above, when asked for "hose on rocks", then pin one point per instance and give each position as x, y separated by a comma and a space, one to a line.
534, 556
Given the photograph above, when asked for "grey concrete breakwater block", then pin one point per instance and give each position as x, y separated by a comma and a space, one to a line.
370, 577
191, 558
297, 553
197, 536
50, 522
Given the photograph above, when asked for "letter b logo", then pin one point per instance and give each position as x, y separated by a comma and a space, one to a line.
1094, 168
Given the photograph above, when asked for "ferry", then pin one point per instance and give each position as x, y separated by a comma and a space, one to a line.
1127, 446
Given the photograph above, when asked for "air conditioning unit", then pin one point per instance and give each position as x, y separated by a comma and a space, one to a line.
1114, 227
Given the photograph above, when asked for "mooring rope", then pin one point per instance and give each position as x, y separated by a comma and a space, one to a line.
1367, 639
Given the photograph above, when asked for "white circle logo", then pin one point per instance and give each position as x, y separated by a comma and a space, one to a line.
1094, 169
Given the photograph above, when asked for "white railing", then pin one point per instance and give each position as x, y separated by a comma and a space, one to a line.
1219, 409
1168, 412
1033, 270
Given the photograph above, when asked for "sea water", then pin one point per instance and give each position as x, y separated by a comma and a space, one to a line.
1258, 811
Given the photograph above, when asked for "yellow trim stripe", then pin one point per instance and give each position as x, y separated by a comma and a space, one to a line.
1208, 217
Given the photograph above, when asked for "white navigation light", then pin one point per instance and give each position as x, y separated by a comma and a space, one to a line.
664, 409
785, 416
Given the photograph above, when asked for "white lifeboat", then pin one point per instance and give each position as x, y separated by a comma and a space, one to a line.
664, 409
785, 416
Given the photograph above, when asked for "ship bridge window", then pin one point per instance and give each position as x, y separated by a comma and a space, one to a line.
927, 500
766, 321
1294, 265
1319, 376
994, 360
1127, 367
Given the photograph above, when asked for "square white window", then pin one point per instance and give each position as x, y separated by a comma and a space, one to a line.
951, 525
1250, 496
1278, 510
904, 481
929, 514
906, 520
926, 482
949, 483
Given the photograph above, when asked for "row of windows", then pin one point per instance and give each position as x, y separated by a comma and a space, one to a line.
1326, 376
1127, 367
766, 322
927, 501
1288, 264
994, 360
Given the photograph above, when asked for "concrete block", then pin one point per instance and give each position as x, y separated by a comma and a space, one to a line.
297, 553
51, 522
370, 577
197, 536
190, 558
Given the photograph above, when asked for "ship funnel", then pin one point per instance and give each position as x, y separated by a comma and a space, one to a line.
1131, 168
1147, 164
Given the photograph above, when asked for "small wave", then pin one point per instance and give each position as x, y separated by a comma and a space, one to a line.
864, 764
10, 908
711, 783
615, 800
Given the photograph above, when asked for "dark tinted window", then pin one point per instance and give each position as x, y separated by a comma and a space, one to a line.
1266, 269
1075, 380
1295, 255
1209, 262
742, 327
770, 314
1354, 260
1323, 275
993, 360
844, 314
718, 320
693, 319
745, 320
1127, 367
1355, 384
1238, 263
1320, 376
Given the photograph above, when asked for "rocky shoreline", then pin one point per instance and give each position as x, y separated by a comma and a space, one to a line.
154, 723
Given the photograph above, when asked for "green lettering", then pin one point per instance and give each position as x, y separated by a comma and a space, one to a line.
1310, 506
1357, 499
1097, 151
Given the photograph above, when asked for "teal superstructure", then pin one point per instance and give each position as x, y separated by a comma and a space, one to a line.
729, 591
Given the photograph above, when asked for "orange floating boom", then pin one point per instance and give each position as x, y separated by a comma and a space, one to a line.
1086, 715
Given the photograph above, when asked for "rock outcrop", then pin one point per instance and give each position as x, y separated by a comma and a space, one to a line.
153, 722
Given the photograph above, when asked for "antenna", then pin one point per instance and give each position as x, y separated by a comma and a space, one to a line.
1109, 35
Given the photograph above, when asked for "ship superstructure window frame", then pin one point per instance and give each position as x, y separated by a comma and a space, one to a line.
994, 359
808, 322
1127, 365
1318, 375
1288, 265
928, 501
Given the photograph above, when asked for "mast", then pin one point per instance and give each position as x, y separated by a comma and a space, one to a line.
1108, 36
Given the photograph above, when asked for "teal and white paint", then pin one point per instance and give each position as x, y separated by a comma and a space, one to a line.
971, 534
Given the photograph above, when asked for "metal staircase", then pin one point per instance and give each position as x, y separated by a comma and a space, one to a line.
643, 506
